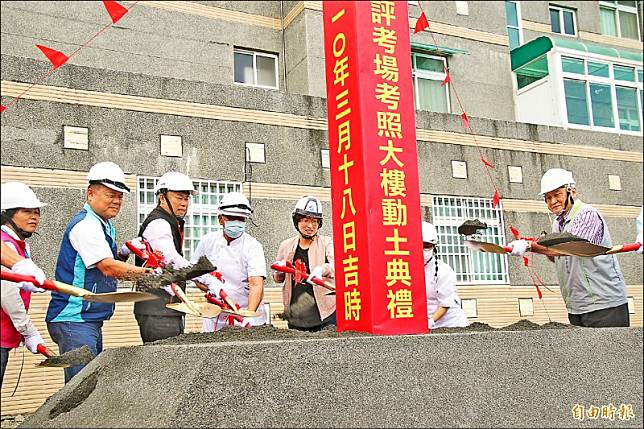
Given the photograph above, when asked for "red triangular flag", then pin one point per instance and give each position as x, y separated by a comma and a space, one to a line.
466, 120
446, 80
115, 10
496, 199
487, 164
514, 232
2, 108
422, 23
526, 262
539, 292
57, 58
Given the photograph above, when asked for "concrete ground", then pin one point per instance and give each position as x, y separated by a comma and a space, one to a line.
527, 378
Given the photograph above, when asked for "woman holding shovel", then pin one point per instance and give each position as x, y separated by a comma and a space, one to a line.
20, 218
443, 304
592, 288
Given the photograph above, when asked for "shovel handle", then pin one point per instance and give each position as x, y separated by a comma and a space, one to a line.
628, 247
138, 252
18, 278
43, 350
507, 249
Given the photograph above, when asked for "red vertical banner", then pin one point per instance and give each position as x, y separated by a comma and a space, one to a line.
380, 279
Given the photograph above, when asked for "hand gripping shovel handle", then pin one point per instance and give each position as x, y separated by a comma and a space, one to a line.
48, 284
628, 247
43, 350
292, 270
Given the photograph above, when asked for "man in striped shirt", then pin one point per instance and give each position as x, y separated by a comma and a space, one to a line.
592, 288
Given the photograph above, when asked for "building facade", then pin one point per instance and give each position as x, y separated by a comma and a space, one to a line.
233, 94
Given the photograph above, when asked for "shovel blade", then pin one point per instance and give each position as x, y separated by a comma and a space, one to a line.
79, 356
204, 310
125, 296
580, 248
482, 246
155, 281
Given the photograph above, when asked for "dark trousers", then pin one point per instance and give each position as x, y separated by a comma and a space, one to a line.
329, 321
4, 358
153, 328
614, 317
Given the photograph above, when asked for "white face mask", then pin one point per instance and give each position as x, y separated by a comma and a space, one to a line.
428, 254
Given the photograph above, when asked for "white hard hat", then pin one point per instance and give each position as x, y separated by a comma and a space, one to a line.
429, 233
308, 206
108, 174
18, 195
234, 204
555, 178
175, 181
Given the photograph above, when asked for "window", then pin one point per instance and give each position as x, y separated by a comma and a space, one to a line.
532, 72
202, 214
256, 69
602, 95
471, 267
428, 73
562, 21
513, 23
620, 19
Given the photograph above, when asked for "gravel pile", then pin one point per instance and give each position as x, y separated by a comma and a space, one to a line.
529, 376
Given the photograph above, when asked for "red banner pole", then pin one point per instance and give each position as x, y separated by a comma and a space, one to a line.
380, 278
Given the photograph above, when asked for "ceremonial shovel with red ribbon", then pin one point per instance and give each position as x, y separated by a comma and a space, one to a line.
299, 273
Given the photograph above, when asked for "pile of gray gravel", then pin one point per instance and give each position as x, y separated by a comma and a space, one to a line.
518, 376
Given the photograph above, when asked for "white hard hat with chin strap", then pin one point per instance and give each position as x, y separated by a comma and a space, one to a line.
307, 206
14, 196
556, 178
429, 233
176, 182
234, 204
108, 174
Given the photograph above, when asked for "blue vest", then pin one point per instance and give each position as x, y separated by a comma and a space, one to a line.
70, 269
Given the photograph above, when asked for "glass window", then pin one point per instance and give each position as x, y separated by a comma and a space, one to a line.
576, 102
598, 69
607, 21
428, 74
532, 72
513, 24
562, 21
640, 78
256, 68
621, 19
202, 213
627, 109
624, 73
471, 267
572, 65
601, 105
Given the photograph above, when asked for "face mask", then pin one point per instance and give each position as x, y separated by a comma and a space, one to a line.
428, 254
234, 228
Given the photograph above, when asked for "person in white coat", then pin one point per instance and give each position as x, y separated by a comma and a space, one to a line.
239, 257
443, 304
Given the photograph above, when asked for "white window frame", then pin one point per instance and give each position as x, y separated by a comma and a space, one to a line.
601, 80
145, 187
616, 7
451, 245
424, 74
256, 54
561, 20
520, 24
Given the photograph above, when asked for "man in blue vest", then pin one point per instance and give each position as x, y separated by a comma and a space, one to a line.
88, 259
592, 288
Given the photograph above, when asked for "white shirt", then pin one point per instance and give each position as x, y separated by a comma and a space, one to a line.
442, 292
159, 234
88, 239
237, 261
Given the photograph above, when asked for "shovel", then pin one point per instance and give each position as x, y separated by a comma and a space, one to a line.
56, 286
483, 246
169, 276
189, 307
586, 249
300, 273
80, 356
